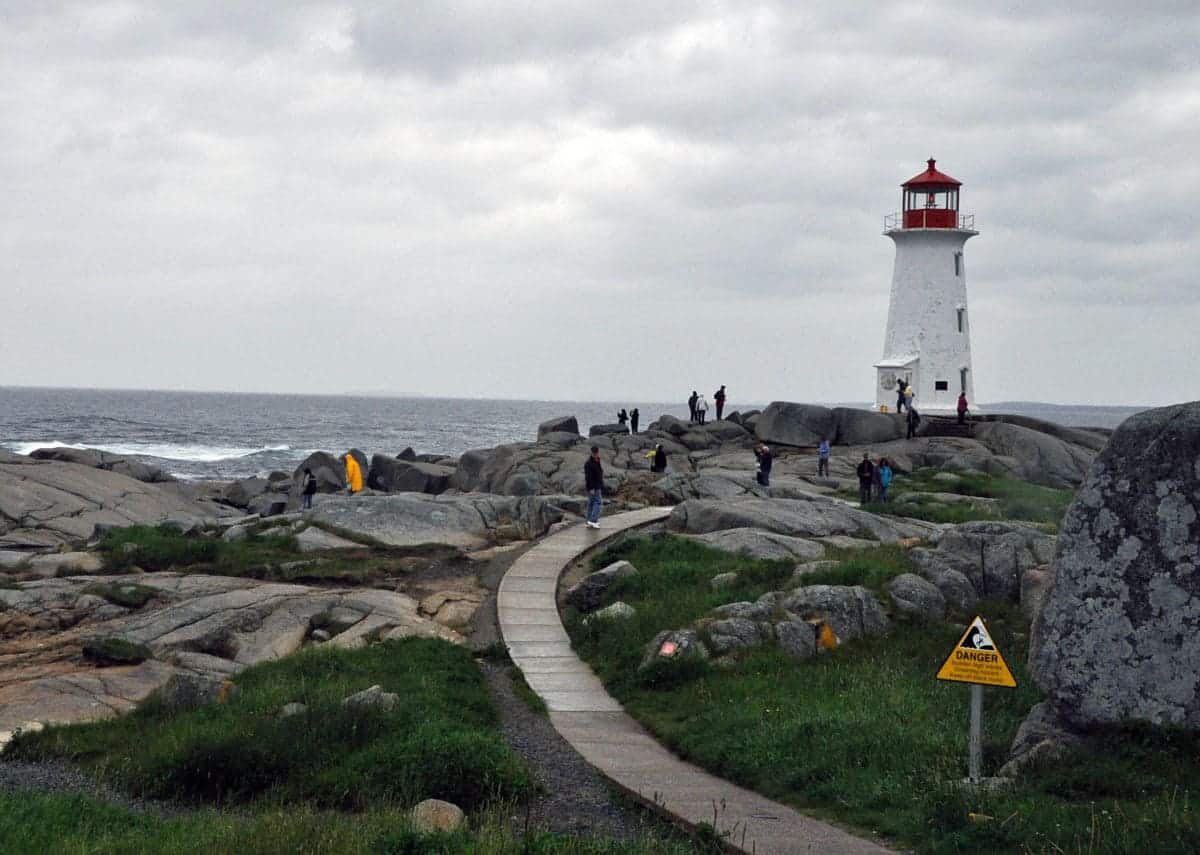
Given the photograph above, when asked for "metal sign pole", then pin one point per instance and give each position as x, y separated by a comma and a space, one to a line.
975, 740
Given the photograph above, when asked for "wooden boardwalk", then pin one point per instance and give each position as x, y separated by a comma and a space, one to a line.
620, 748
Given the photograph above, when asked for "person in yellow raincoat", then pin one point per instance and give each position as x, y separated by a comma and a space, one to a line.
354, 478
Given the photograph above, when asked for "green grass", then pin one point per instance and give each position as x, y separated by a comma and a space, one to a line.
57, 824
261, 555
865, 735
441, 741
115, 651
130, 596
527, 695
1015, 499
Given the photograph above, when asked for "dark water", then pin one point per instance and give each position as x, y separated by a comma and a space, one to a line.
212, 435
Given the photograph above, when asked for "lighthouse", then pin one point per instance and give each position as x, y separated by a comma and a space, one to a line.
928, 338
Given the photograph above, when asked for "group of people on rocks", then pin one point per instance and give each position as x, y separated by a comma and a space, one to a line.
630, 417
904, 399
698, 405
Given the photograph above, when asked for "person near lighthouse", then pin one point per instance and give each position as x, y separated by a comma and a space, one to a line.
901, 386
962, 408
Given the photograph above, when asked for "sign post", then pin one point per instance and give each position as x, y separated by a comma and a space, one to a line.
976, 660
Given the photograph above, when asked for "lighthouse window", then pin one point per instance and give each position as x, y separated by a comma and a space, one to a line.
941, 385
958, 266
962, 316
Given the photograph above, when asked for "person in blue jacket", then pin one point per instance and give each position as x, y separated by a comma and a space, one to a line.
885, 478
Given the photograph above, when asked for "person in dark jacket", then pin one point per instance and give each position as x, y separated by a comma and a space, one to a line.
914, 419
901, 385
310, 487
866, 477
763, 453
622, 417
692, 399
658, 459
593, 482
634, 415
719, 398
962, 408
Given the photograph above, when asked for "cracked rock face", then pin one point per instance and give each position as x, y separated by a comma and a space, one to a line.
1118, 638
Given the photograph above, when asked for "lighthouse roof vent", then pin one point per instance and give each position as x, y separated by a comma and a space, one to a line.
932, 178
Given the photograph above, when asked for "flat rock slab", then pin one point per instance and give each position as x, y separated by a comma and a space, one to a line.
46, 503
593, 722
471, 522
814, 517
761, 544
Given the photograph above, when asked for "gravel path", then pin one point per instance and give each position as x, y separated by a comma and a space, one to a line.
59, 776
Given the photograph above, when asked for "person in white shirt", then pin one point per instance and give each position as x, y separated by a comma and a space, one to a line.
701, 409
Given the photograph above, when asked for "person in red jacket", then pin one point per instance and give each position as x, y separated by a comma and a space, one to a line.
962, 408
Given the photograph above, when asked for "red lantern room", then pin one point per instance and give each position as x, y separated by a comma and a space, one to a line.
930, 200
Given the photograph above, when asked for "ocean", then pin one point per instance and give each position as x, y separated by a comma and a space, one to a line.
199, 435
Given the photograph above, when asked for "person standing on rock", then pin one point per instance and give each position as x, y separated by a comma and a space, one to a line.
913, 419
354, 478
593, 482
622, 417
962, 408
692, 399
885, 478
866, 477
634, 415
763, 453
719, 399
658, 459
701, 409
901, 385
310, 487
823, 458
908, 396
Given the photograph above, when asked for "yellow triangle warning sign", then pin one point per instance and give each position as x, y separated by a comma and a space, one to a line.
976, 659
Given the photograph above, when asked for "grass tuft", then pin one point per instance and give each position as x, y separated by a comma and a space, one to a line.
115, 651
130, 596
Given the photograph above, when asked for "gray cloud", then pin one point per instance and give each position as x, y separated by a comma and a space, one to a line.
580, 200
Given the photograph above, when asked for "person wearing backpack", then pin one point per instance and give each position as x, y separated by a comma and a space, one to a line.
914, 419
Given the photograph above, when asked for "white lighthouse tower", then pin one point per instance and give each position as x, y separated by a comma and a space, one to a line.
928, 339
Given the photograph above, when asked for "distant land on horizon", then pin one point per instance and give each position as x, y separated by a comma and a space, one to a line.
737, 404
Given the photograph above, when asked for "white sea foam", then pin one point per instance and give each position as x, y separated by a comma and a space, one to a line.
189, 453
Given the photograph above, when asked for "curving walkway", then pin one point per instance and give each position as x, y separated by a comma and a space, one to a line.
597, 727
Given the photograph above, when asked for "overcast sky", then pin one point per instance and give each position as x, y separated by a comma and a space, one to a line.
597, 200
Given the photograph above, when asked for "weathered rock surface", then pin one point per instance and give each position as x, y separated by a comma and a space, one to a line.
787, 423
589, 592
454, 608
313, 539
562, 424
373, 698
467, 521
761, 544
850, 610
812, 517
797, 638
207, 625
46, 503
146, 472
392, 475
686, 641
434, 815
605, 430
992, 555
1118, 637
917, 596
329, 471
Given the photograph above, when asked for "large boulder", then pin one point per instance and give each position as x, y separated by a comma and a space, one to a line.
918, 597
1118, 637
1035, 456
391, 475
864, 427
241, 492
561, 424
589, 592
670, 425
329, 471
992, 555
850, 610
470, 467
607, 430
787, 423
